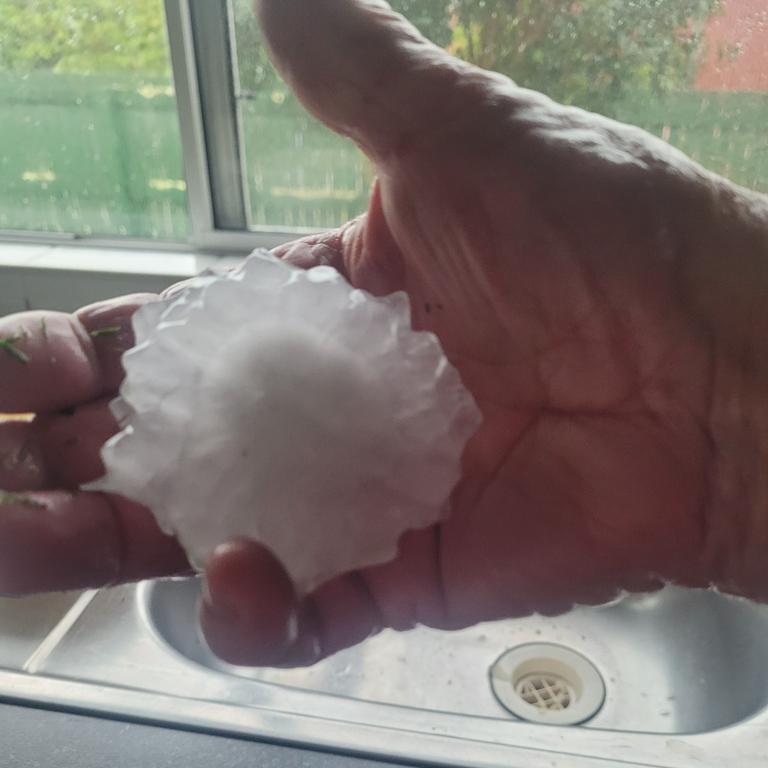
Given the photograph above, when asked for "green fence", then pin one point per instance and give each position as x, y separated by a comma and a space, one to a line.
100, 155
300, 174
726, 132
90, 155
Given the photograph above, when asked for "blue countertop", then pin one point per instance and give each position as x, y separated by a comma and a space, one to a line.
37, 738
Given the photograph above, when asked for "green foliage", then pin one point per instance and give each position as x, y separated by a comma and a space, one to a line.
592, 53
89, 157
83, 36
432, 17
587, 52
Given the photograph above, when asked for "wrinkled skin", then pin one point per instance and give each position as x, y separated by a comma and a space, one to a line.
601, 296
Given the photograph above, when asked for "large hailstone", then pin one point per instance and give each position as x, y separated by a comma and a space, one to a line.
285, 406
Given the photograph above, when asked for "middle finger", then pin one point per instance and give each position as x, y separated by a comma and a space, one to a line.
61, 451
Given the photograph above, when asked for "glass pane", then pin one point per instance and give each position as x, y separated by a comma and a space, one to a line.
299, 173
694, 72
89, 137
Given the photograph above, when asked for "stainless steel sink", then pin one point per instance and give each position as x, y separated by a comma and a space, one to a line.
23, 623
673, 662
685, 678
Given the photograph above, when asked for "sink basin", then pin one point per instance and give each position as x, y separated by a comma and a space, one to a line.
681, 680
26, 624
677, 661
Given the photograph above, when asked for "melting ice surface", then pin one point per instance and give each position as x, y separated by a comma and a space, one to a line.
285, 406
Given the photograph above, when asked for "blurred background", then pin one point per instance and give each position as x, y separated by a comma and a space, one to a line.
90, 142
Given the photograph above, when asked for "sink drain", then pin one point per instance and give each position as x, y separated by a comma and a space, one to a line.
545, 691
547, 683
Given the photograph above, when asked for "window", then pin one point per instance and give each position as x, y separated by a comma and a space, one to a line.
94, 133
89, 138
297, 173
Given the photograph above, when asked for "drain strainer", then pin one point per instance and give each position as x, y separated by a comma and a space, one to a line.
545, 691
547, 683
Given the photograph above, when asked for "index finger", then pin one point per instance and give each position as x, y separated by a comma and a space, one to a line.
51, 361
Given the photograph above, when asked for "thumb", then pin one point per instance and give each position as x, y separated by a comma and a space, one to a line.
360, 68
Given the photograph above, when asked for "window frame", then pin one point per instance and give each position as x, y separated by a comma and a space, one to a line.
201, 43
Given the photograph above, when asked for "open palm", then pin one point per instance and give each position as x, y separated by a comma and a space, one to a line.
559, 257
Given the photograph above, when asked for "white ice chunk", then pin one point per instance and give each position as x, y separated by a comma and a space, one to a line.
285, 406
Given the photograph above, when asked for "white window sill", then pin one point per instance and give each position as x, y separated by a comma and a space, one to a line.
64, 277
105, 260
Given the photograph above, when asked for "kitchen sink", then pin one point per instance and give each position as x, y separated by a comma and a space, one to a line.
674, 678
677, 661
23, 623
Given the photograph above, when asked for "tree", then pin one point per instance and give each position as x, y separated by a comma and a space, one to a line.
592, 53
86, 37
587, 52
432, 17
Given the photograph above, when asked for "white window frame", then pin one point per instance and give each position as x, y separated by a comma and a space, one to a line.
202, 46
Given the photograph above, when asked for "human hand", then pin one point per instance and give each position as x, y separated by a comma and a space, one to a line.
576, 272
565, 263
65, 369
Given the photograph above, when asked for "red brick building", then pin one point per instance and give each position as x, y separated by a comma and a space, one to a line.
736, 48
